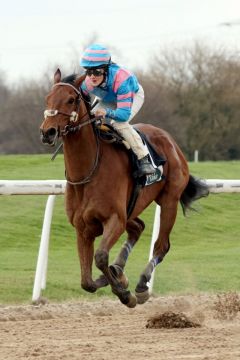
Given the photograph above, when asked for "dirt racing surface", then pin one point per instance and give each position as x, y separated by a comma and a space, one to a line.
168, 328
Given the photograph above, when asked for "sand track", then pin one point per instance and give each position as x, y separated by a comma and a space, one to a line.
105, 329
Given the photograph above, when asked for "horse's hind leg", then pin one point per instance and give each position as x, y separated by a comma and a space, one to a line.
134, 229
113, 228
169, 205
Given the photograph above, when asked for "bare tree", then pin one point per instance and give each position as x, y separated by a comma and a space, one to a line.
191, 92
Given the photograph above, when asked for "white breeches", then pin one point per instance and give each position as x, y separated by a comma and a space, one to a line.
131, 137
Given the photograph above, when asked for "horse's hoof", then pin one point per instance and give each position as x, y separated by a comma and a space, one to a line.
89, 287
132, 302
125, 297
142, 297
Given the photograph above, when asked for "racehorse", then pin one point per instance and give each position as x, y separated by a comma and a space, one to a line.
99, 187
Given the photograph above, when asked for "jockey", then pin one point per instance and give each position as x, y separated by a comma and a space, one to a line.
120, 98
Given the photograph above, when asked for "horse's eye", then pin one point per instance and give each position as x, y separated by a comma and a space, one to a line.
71, 100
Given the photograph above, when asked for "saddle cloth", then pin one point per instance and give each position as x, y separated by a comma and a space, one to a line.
108, 134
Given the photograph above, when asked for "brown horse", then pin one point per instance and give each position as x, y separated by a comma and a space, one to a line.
99, 186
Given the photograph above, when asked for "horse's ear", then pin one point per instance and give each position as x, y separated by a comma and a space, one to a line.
57, 76
79, 81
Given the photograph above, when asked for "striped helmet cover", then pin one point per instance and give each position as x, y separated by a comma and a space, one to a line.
95, 56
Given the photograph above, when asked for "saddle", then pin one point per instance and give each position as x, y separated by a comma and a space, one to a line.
108, 134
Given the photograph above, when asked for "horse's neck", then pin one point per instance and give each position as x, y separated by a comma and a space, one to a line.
79, 153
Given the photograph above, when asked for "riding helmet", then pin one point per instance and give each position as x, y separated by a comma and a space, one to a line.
95, 56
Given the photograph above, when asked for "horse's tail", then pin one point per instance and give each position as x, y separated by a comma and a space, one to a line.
194, 190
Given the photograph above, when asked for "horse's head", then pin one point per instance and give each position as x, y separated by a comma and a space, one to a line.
63, 105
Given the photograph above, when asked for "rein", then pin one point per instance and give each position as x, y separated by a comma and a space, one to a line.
73, 129
69, 128
87, 179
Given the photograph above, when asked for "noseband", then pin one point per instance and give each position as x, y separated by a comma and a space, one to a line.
73, 116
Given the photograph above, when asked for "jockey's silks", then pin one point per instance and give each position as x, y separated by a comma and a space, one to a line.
117, 91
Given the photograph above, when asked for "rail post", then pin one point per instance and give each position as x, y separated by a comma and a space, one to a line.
42, 262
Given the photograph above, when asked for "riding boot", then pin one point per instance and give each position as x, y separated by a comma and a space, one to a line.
134, 140
145, 167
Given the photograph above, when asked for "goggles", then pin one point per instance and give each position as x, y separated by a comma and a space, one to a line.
95, 72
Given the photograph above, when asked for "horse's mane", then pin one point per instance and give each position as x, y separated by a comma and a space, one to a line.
70, 79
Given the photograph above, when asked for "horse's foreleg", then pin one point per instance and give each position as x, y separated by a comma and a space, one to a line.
86, 252
161, 247
113, 228
134, 229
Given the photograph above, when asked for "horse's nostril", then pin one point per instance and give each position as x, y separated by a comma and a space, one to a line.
49, 136
51, 132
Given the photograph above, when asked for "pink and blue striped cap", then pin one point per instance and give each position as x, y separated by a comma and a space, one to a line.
95, 56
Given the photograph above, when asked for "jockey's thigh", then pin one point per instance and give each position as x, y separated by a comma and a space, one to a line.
131, 136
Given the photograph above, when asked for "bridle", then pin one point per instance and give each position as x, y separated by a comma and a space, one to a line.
71, 128
73, 116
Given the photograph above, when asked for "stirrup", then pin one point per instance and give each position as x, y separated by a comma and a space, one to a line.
145, 167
